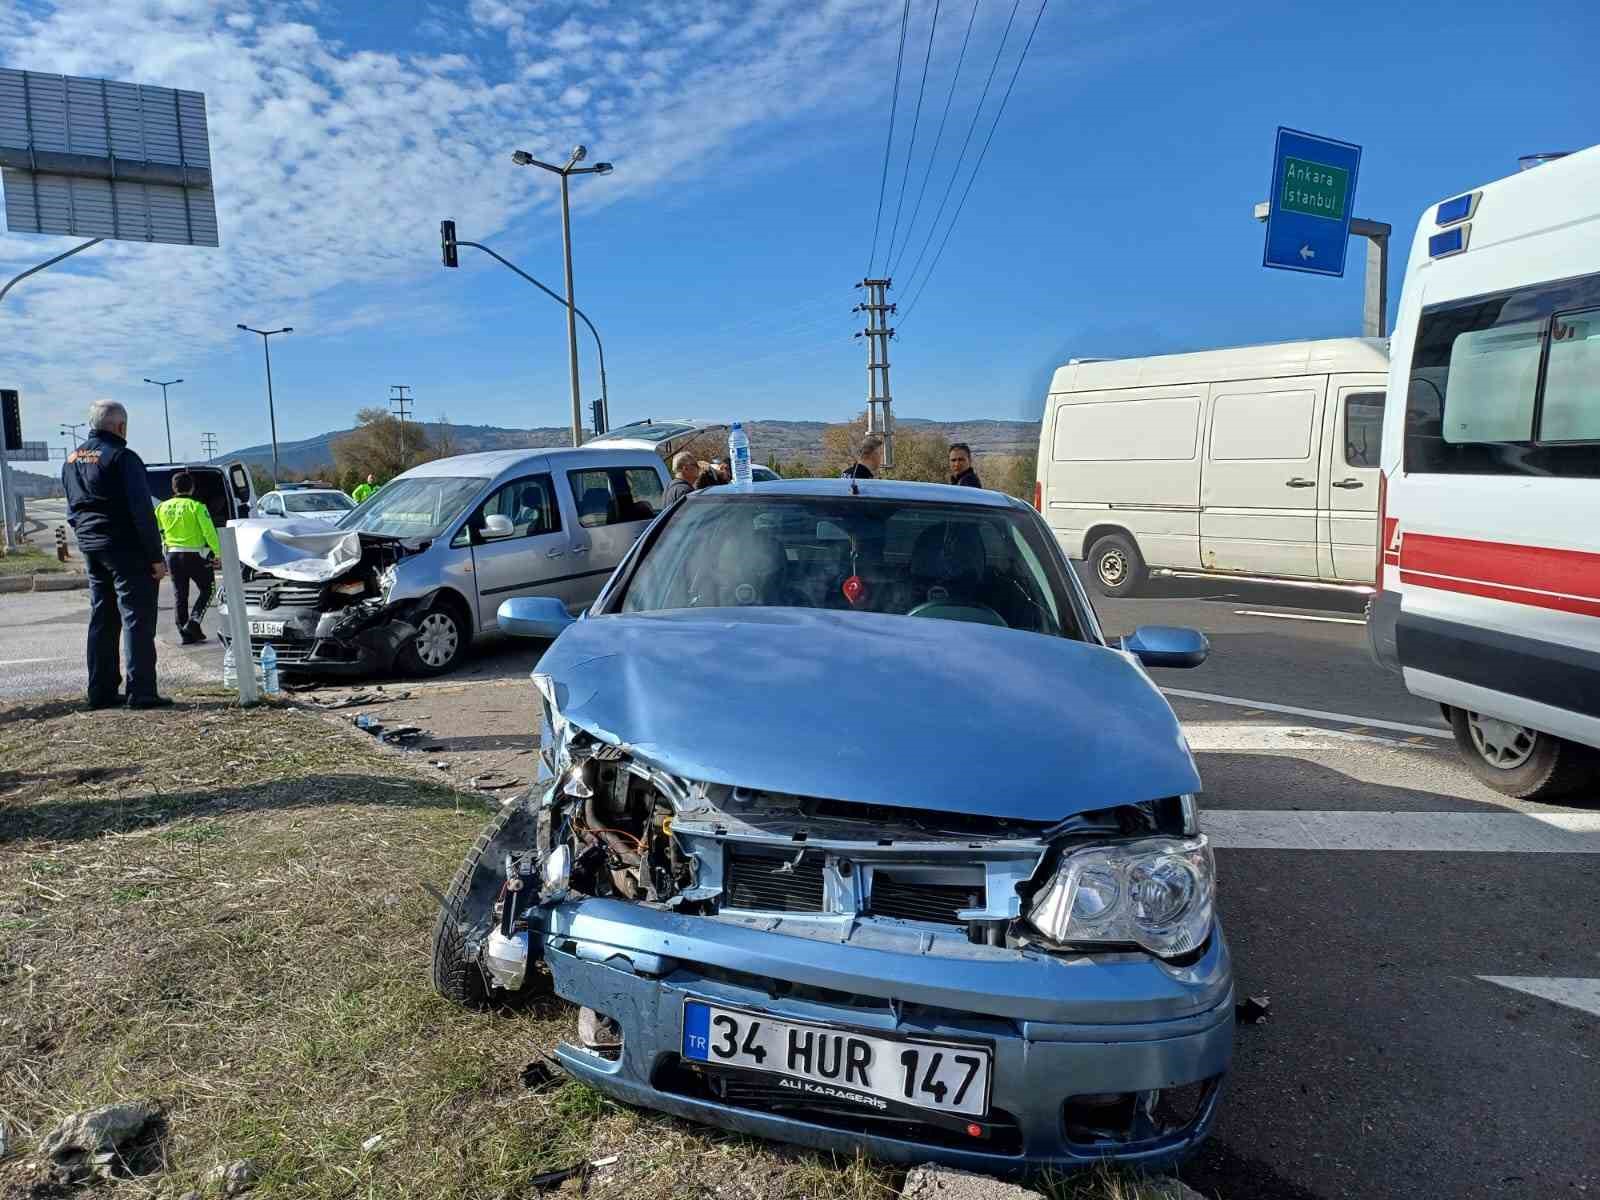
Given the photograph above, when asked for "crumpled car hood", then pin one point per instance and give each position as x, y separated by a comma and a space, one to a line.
909, 712
304, 551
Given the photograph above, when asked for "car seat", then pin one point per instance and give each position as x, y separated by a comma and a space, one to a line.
948, 562
594, 507
750, 571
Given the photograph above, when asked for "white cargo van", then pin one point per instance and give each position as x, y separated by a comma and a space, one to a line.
1490, 596
1259, 461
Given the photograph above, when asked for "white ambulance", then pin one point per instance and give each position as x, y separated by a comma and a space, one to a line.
1489, 500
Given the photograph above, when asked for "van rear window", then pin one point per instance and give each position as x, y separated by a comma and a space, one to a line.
1508, 384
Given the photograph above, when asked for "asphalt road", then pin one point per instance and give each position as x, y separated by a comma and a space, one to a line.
1392, 1064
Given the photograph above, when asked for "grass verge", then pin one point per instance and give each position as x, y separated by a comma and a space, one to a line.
29, 561
220, 910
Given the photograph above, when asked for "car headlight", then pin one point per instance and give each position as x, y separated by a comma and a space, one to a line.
1157, 893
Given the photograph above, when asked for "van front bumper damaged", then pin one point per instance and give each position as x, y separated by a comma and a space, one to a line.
1087, 1057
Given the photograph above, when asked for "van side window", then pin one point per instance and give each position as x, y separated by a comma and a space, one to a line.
1363, 429
1508, 384
528, 503
615, 495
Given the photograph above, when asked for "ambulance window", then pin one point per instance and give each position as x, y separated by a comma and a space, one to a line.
1490, 383
1571, 410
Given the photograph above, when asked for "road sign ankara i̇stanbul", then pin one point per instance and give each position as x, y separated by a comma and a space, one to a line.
1312, 194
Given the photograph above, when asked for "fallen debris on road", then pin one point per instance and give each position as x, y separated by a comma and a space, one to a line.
94, 1144
1252, 1010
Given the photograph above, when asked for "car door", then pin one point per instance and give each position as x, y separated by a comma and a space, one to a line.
532, 560
1259, 483
613, 506
1352, 440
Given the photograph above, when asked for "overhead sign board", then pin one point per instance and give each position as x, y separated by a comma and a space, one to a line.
102, 159
32, 452
1309, 205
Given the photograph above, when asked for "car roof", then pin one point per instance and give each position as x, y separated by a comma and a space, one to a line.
492, 464
880, 489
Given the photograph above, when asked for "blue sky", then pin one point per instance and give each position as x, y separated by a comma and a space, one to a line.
1111, 217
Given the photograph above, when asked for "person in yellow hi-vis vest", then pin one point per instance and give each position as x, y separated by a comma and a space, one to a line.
190, 540
363, 490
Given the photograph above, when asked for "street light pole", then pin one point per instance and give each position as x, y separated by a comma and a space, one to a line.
272, 416
523, 159
165, 411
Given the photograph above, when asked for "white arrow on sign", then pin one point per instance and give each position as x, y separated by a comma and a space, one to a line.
1306, 253
1581, 994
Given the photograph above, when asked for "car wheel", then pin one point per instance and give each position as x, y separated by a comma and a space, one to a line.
466, 917
440, 642
1116, 565
1522, 762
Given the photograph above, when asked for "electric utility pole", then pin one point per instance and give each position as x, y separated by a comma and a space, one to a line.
880, 419
401, 403
208, 443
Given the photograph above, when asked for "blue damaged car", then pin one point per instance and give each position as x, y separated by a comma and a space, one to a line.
853, 830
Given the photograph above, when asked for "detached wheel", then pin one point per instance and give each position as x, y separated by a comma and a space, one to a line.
440, 643
467, 915
1116, 565
1524, 763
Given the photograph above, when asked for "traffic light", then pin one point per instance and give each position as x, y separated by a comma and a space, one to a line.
11, 413
447, 243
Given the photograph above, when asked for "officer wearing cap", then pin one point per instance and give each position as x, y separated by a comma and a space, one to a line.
114, 519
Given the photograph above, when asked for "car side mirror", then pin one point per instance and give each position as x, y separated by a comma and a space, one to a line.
496, 526
533, 616
1166, 646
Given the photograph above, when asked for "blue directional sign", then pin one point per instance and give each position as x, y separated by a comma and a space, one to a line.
1309, 204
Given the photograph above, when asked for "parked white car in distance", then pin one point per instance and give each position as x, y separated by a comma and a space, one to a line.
305, 504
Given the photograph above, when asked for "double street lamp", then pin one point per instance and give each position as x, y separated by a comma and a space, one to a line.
523, 159
272, 417
165, 411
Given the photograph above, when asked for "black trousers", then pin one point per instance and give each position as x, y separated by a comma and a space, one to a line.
186, 569
122, 608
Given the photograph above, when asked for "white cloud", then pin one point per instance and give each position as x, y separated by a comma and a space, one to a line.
334, 163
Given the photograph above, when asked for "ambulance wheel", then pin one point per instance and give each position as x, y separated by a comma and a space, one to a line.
1524, 763
1116, 565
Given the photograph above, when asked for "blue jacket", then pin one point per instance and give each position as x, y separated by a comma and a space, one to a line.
108, 498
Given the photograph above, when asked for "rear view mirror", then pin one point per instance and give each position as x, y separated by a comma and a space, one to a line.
495, 525
1167, 646
533, 616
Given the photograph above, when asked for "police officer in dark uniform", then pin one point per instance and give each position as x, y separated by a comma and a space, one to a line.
113, 517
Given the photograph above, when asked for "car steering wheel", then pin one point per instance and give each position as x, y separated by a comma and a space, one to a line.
949, 610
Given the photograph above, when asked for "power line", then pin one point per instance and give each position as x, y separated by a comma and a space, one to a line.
937, 139
888, 143
972, 127
916, 119
978, 166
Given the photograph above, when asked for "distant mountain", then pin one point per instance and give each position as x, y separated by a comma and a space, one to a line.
33, 485
786, 439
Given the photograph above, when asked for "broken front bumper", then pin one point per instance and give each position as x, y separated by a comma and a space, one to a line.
360, 639
1085, 1049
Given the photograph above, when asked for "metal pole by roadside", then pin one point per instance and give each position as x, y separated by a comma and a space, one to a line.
238, 619
272, 414
572, 317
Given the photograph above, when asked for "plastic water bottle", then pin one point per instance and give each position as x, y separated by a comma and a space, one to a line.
230, 670
739, 453
269, 670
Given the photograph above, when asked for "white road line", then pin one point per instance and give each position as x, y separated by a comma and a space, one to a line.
1319, 714
1479, 832
1216, 736
22, 662
1581, 994
1283, 616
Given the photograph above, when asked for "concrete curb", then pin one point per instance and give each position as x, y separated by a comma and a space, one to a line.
16, 583
63, 582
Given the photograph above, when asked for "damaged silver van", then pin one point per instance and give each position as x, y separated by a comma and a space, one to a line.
920, 871
410, 578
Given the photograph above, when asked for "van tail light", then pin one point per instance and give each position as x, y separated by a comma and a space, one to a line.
1038, 496
1383, 529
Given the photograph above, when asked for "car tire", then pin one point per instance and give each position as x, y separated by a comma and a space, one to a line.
1524, 763
1116, 566
440, 643
466, 917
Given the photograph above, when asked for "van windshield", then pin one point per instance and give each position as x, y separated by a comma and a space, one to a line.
413, 508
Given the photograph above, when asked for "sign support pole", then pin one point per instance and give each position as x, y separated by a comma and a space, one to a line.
7, 493
238, 619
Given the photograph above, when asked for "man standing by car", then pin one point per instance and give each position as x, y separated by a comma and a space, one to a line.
191, 544
961, 472
363, 490
685, 470
870, 461
109, 506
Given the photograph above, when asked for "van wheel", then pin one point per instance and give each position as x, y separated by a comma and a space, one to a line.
1521, 762
440, 643
1117, 566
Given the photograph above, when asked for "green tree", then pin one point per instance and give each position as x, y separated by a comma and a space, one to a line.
379, 447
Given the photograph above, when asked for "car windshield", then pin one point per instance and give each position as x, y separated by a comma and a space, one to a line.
317, 502
413, 508
914, 558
